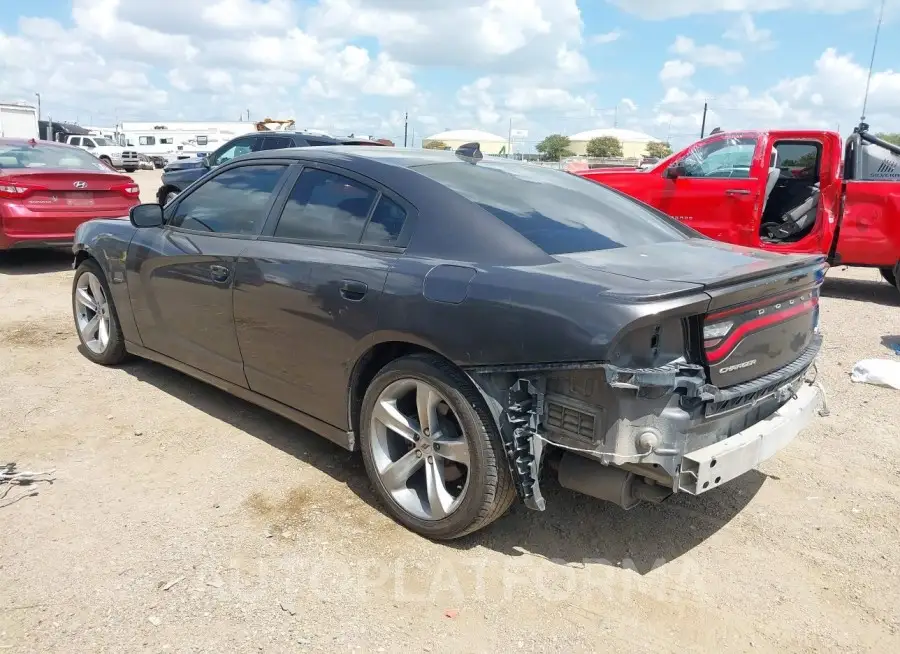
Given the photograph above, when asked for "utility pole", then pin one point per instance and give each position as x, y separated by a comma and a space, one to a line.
616, 117
703, 124
405, 127
509, 141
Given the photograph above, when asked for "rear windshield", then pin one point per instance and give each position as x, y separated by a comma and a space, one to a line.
23, 155
557, 211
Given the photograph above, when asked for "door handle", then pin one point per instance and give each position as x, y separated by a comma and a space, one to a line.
219, 273
353, 290
737, 191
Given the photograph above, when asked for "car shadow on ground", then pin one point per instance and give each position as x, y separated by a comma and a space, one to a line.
861, 291
34, 262
575, 529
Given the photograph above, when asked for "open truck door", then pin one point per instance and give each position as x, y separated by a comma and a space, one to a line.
800, 205
869, 228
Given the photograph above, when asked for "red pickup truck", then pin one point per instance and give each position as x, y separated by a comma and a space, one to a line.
782, 190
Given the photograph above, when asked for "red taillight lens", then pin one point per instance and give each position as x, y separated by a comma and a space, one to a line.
18, 190
130, 189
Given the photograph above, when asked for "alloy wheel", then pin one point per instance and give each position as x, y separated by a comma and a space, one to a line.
92, 313
419, 449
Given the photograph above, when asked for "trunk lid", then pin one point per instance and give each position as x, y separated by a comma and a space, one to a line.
49, 190
763, 309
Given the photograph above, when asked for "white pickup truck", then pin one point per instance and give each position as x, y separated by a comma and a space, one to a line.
105, 150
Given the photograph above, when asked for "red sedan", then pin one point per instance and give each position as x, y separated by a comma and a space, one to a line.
48, 189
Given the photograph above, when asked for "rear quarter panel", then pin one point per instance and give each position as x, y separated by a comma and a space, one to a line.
106, 241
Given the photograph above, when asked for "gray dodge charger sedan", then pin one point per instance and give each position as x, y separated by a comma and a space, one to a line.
470, 324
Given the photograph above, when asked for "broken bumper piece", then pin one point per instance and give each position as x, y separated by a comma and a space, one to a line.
716, 464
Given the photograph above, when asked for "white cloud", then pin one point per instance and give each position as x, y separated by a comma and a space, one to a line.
705, 55
607, 37
665, 9
492, 36
676, 71
745, 31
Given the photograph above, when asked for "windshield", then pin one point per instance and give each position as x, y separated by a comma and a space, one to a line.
557, 211
47, 156
102, 141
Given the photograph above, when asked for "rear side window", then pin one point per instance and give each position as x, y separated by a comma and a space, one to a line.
798, 161
325, 206
557, 211
386, 223
276, 143
233, 202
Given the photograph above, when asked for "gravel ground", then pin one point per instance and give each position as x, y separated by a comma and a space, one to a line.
184, 520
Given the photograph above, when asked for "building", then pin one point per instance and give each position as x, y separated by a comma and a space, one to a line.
490, 143
634, 144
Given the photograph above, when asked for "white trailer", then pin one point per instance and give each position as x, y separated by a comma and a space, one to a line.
18, 121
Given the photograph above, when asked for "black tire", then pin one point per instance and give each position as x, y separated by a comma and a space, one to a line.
490, 490
107, 161
890, 276
130, 170
115, 352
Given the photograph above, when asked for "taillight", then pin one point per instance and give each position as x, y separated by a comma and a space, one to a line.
129, 189
715, 332
18, 190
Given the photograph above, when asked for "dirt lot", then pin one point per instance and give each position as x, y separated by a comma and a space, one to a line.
184, 520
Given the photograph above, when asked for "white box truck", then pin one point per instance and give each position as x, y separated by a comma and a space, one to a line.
18, 121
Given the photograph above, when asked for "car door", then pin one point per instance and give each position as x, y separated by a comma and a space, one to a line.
715, 188
307, 291
869, 232
181, 274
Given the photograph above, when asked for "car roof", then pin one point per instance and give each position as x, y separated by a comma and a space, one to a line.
7, 141
392, 156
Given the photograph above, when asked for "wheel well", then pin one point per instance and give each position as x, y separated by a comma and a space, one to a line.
164, 191
104, 156
80, 257
368, 366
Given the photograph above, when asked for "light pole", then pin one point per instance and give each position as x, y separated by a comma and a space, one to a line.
39, 115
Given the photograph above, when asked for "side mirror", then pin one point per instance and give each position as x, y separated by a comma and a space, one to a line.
146, 215
205, 162
675, 171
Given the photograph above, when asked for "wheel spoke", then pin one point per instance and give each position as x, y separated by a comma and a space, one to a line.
96, 290
103, 331
396, 474
456, 450
387, 414
91, 328
426, 407
84, 299
439, 500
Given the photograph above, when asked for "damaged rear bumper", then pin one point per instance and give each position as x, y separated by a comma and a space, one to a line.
716, 464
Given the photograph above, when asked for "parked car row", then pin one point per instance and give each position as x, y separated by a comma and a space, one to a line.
468, 324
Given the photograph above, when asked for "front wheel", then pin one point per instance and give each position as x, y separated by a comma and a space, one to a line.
96, 320
890, 276
130, 170
432, 449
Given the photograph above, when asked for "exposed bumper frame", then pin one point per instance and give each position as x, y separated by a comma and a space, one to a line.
716, 464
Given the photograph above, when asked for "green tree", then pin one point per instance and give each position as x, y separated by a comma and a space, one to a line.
555, 147
658, 149
604, 146
435, 145
890, 137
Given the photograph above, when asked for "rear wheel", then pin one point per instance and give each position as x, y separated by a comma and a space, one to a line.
890, 275
432, 449
95, 316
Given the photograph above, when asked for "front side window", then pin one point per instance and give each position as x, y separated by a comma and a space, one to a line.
231, 150
233, 202
88, 143
325, 206
726, 158
99, 140
557, 211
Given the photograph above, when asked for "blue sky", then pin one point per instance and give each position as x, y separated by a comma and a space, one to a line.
546, 65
